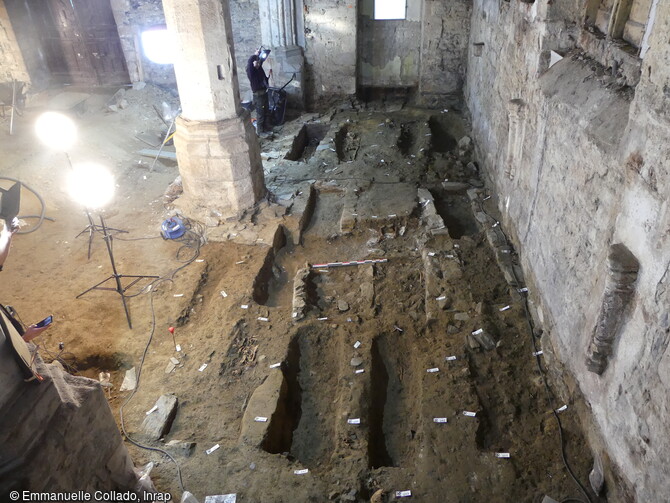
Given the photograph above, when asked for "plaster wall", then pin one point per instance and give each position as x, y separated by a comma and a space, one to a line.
588, 170
28, 46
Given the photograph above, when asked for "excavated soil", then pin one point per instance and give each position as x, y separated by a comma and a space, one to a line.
350, 177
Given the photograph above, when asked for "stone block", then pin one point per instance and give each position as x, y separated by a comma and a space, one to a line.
158, 423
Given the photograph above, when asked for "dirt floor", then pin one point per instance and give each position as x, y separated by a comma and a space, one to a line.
343, 186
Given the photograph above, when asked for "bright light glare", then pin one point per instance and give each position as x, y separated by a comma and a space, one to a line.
390, 9
157, 45
56, 130
91, 185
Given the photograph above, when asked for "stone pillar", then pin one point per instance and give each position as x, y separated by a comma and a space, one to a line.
516, 114
217, 150
280, 20
622, 273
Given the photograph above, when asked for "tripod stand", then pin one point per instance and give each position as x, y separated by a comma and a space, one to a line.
120, 289
92, 228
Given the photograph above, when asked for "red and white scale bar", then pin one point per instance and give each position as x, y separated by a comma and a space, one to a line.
352, 262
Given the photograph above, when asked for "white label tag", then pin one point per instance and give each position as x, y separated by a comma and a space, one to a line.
152, 409
356, 420
178, 295
275, 365
239, 262
359, 371
433, 370
439, 419
301, 472
478, 331
178, 347
395, 327
202, 367
538, 353
200, 260
431, 254
451, 358
469, 414
224, 294
441, 297
522, 290
245, 306
561, 409
357, 344
261, 419
504, 308
212, 449
322, 319
502, 455
403, 494
263, 318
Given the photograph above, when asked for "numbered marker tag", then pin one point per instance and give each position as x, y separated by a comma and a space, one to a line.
504, 308
523, 290
478, 331
263, 318
212, 449
502, 455
245, 306
359, 371
178, 295
451, 358
322, 319
403, 494
431, 254
178, 347
433, 370
356, 420
301, 472
538, 353
441, 297
469, 413
357, 344
261, 419
202, 367
439, 419
561, 409
275, 365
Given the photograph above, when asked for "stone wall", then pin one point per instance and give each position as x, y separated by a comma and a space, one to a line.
12, 66
132, 18
388, 55
578, 153
59, 435
444, 47
247, 36
330, 50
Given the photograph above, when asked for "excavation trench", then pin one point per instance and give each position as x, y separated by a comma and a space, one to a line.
378, 455
456, 213
305, 143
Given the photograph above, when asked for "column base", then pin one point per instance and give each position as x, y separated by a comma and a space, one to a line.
220, 166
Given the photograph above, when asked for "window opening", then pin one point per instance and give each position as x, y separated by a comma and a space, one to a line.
390, 9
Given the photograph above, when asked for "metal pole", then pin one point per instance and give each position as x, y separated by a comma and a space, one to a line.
11, 117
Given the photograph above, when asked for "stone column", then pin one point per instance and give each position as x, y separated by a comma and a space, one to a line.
217, 150
280, 21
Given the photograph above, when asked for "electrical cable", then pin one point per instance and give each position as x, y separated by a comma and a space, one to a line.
551, 395
137, 386
39, 198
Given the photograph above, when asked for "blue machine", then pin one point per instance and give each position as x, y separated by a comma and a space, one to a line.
173, 228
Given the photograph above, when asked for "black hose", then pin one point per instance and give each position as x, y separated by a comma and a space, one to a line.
39, 198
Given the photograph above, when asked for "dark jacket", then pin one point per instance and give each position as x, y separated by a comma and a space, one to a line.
257, 77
